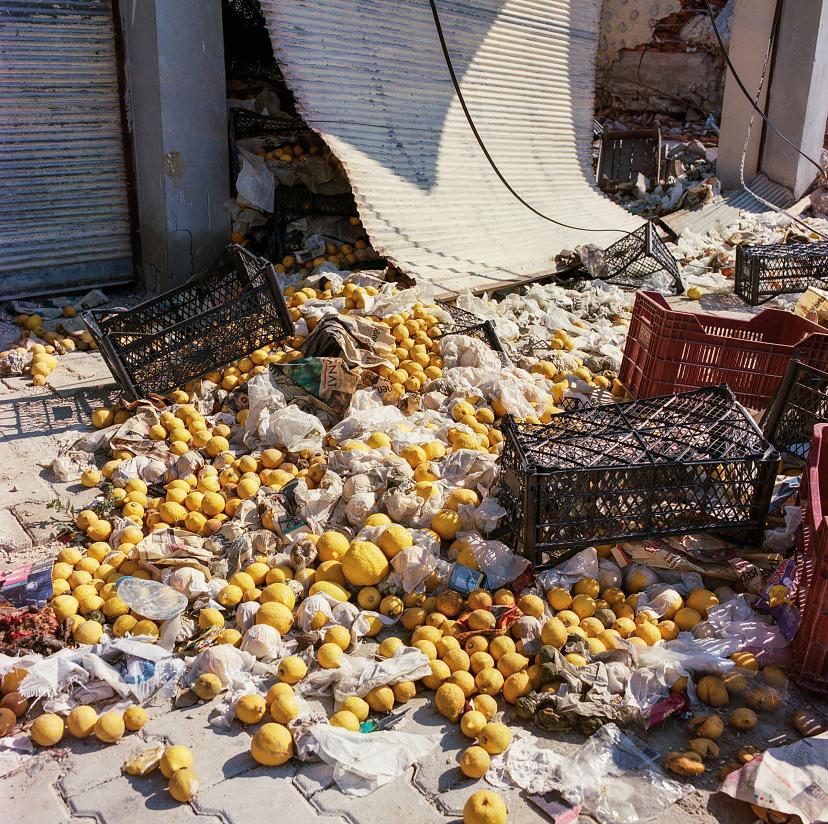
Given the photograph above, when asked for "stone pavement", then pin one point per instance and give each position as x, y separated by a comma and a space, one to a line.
81, 781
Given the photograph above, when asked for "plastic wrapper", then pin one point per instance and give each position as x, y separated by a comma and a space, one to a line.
363, 763
343, 613
232, 666
255, 185
412, 567
462, 350
616, 781
246, 615
775, 599
609, 574
525, 765
499, 564
262, 641
582, 565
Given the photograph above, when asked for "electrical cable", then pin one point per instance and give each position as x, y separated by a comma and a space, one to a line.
450, 66
747, 94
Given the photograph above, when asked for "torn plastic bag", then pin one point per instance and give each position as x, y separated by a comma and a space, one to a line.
463, 350
150, 470
255, 184
615, 781
233, 667
582, 565
337, 612
262, 641
363, 762
246, 615
412, 567
498, 563
525, 765
188, 581
470, 469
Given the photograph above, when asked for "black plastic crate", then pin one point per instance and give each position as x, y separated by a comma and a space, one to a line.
636, 257
465, 323
205, 324
763, 272
800, 403
299, 201
670, 465
245, 124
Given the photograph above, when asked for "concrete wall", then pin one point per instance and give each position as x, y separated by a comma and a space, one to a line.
660, 56
176, 101
798, 95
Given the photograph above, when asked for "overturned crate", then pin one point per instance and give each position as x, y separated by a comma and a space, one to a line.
625, 153
810, 646
668, 350
465, 323
695, 462
182, 334
638, 257
801, 402
763, 272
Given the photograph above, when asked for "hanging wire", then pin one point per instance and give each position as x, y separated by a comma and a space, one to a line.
450, 66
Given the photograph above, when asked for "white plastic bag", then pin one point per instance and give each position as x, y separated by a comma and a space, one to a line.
255, 185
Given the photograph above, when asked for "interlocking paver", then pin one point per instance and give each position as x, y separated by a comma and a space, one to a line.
29, 794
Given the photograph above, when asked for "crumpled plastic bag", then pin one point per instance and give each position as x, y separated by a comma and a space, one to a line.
582, 565
358, 676
262, 641
232, 666
462, 350
526, 765
342, 613
150, 470
188, 581
615, 781
412, 567
246, 615
255, 184
363, 762
499, 564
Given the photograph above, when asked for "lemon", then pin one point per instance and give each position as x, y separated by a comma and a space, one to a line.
276, 615
250, 708
404, 691
395, 539
330, 588
175, 758
134, 718
364, 564
47, 729
701, 600
338, 635
484, 807
284, 708
449, 700
494, 738
64, 606
207, 686
332, 546
272, 745
88, 632
389, 647
559, 599
110, 727
475, 761
345, 719
358, 706
81, 721
377, 519
7, 721
292, 669
471, 723
486, 704
489, 681
184, 785
686, 618
446, 524
461, 497
210, 617
329, 656
280, 594
380, 699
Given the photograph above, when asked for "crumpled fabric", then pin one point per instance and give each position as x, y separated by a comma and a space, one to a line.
363, 762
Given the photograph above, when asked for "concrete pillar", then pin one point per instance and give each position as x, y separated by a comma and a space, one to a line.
750, 28
177, 112
798, 94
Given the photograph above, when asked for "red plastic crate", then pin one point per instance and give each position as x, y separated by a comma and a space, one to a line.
669, 351
810, 646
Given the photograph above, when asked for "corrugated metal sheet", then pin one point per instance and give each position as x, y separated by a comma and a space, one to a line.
64, 217
727, 211
370, 76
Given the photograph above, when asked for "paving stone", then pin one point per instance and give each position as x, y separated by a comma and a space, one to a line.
29, 794
11, 531
397, 801
24, 488
144, 800
40, 521
438, 772
220, 754
93, 763
313, 778
245, 798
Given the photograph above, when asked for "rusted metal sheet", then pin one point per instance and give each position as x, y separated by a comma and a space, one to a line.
64, 218
370, 76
